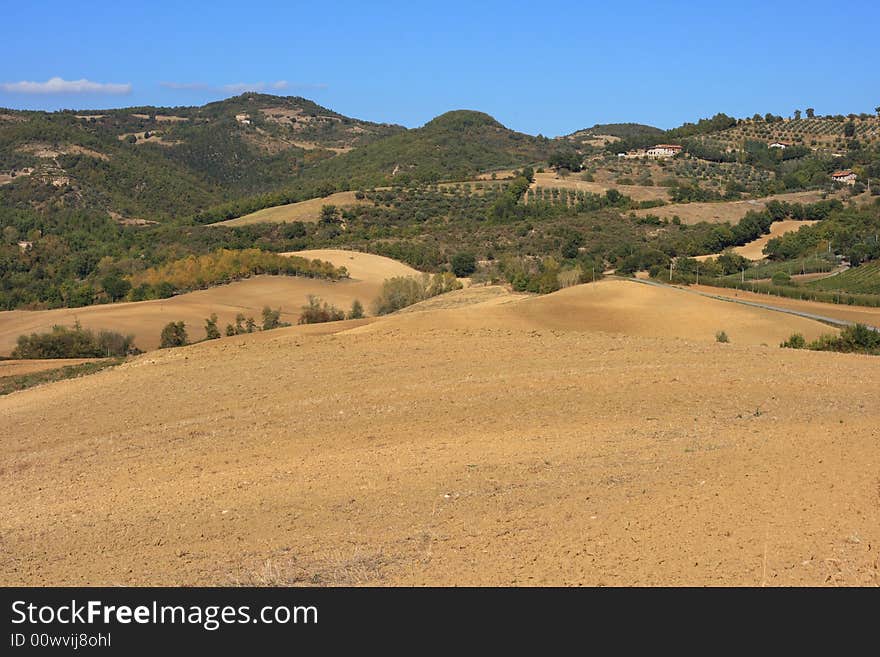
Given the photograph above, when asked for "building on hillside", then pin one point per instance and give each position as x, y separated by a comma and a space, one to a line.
632, 155
244, 119
664, 150
846, 177
780, 144
25, 245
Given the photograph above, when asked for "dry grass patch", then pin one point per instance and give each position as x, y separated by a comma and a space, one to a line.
307, 211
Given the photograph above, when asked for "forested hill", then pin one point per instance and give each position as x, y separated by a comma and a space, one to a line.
622, 130
153, 163
454, 146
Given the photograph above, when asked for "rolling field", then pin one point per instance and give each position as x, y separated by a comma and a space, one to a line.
721, 211
509, 441
307, 211
754, 250
145, 319
620, 307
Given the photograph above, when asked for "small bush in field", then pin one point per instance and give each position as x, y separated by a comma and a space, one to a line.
317, 312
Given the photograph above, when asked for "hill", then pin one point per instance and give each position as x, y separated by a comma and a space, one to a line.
594, 135
145, 319
820, 133
156, 163
449, 453
457, 145
622, 307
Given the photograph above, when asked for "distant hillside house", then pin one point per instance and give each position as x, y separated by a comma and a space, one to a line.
634, 154
244, 119
780, 144
846, 177
664, 150
24, 246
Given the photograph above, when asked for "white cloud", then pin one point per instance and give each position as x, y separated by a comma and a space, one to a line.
281, 84
62, 86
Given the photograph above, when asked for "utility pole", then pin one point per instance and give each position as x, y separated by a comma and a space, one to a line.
670, 271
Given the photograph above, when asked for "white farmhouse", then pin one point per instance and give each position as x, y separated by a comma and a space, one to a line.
664, 150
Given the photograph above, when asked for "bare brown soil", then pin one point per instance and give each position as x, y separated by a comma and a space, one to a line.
491, 444
721, 211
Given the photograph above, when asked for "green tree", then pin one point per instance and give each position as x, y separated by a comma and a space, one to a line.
272, 319
329, 214
173, 335
811, 113
357, 310
781, 278
463, 264
115, 286
566, 159
849, 129
211, 330
317, 312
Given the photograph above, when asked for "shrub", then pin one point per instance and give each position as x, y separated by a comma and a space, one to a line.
402, 291
357, 310
781, 278
173, 335
211, 330
721, 336
317, 312
76, 342
272, 319
463, 264
796, 341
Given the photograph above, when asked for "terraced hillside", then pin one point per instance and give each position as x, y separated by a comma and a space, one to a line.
824, 133
864, 279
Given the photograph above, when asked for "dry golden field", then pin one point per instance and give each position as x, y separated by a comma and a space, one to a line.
754, 250
593, 436
303, 211
145, 319
721, 211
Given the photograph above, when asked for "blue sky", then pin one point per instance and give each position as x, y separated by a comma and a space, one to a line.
538, 67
